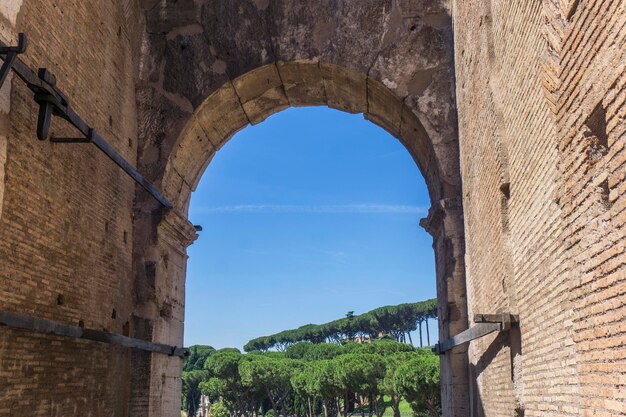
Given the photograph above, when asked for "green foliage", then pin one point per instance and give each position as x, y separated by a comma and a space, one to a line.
392, 363
269, 354
197, 357
418, 381
394, 321
191, 390
359, 372
267, 371
322, 381
306, 376
271, 376
310, 378
382, 347
323, 351
218, 409
299, 350
213, 387
224, 364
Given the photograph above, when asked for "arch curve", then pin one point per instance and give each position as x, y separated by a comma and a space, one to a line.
254, 96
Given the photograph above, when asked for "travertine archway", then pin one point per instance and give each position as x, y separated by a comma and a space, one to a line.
252, 97
211, 69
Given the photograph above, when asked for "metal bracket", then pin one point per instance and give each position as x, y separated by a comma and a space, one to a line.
88, 139
485, 324
39, 325
11, 53
505, 319
52, 102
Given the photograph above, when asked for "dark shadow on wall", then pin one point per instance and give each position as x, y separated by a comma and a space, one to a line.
511, 339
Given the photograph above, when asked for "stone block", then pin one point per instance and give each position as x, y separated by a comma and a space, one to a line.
303, 82
256, 82
271, 101
345, 89
221, 115
383, 107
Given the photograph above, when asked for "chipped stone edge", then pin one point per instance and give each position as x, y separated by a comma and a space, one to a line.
9, 11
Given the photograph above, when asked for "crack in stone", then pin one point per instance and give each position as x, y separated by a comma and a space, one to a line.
194, 116
319, 68
282, 83
243, 110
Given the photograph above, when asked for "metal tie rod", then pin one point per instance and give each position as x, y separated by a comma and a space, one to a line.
53, 102
39, 325
485, 324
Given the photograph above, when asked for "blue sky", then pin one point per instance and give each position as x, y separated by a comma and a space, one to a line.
306, 216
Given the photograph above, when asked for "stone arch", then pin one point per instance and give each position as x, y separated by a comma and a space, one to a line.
209, 69
254, 96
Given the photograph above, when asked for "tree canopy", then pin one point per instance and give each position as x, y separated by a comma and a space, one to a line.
310, 379
359, 362
395, 322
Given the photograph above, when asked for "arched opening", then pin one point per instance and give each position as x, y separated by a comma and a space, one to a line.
306, 216
250, 99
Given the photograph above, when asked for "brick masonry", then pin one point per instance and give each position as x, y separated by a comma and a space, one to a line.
66, 218
513, 111
540, 92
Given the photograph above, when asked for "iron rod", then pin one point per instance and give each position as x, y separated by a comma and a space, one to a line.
64, 110
39, 325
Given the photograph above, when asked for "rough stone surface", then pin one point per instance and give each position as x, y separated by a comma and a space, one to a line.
513, 111
215, 67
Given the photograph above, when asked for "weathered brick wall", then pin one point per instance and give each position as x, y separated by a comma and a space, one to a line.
66, 212
509, 165
544, 201
589, 43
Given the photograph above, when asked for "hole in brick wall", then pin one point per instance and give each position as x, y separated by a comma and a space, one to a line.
119, 31
125, 236
106, 226
60, 299
130, 143
572, 9
412, 28
81, 323
114, 314
604, 194
126, 329
166, 311
110, 121
506, 190
150, 268
596, 123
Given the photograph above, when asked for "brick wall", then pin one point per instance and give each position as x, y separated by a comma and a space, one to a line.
66, 218
590, 43
543, 178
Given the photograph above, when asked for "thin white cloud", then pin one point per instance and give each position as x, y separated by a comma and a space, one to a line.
325, 209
